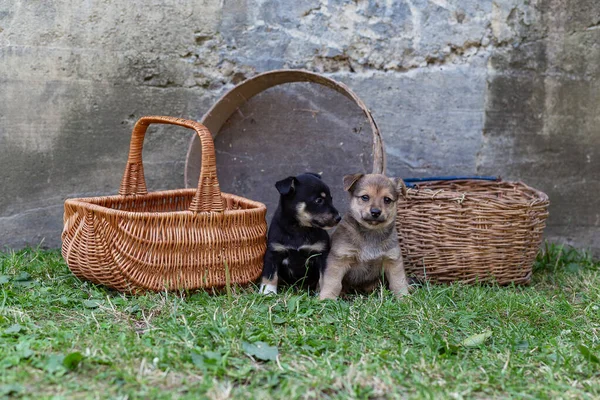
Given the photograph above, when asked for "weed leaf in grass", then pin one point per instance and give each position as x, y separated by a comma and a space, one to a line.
72, 360
212, 357
14, 329
133, 309
92, 303
4, 279
23, 280
585, 351
54, 363
23, 350
292, 304
10, 389
574, 267
471, 341
22, 277
523, 345
261, 350
198, 360
476, 340
209, 359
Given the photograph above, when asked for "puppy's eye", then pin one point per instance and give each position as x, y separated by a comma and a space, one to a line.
364, 197
387, 200
319, 200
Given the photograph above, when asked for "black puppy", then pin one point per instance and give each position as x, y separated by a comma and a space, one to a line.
297, 241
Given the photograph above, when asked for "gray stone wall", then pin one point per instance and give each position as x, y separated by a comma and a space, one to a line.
499, 87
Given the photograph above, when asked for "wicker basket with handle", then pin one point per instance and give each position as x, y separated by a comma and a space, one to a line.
471, 230
168, 240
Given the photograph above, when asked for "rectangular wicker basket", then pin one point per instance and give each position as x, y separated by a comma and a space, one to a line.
167, 240
471, 230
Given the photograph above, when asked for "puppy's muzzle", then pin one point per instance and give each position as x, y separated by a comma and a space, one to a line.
374, 217
327, 221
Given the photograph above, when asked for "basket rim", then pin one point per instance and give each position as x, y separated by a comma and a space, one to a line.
89, 203
418, 192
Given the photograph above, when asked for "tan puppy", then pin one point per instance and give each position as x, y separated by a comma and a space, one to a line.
365, 242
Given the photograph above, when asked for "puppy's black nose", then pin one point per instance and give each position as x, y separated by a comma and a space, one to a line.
375, 212
338, 218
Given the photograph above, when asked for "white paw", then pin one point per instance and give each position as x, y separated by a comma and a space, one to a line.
267, 289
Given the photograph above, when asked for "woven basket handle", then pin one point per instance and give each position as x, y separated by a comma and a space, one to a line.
215, 118
208, 194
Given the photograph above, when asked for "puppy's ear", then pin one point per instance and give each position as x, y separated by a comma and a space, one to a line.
350, 180
313, 174
286, 186
399, 185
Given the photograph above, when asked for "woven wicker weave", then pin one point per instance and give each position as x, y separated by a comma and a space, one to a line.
167, 240
471, 231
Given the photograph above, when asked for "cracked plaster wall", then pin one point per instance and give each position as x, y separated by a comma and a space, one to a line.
500, 87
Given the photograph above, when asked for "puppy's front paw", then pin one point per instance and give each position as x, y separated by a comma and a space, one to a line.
401, 293
327, 296
267, 289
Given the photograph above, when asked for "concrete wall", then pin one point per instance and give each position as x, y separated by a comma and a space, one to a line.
499, 87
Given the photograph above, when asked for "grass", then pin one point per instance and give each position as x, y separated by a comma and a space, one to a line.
64, 338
